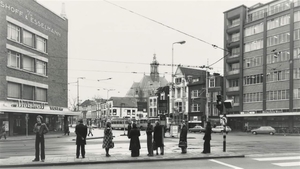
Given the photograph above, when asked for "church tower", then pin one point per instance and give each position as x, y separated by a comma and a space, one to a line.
154, 70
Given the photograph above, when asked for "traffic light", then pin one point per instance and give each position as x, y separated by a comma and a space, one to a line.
219, 103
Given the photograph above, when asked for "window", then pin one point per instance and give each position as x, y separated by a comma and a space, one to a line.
234, 66
278, 22
41, 94
278, 76
195, 93
235, 51
13, 90
278, 95
162, 96
212, 82
233, 82
133, 112
297, 34
297, 16
252, 30
41, 44
296, 53
195, 107
13, 32
256, 15
41, 67
154, 101
278, 56
235, 37
254, 45
179, 106
252, 97
235, 22
297, 93
128, 112
28, 63
297, 73
13, 59
178, 80
253, 79
28, 92
28, 38
278, 39
279, 7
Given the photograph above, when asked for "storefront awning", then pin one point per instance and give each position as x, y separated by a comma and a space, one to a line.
264, 114
37, 111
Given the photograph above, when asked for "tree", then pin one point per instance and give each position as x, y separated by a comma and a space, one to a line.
72, 104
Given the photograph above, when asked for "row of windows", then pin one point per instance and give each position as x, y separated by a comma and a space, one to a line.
256, 15
234, 66
20, 61
278, 39
279, 7
252, 62
233, 82
196, 93
277, 22
252, 30
27, 38
253, 79
278, 56
255, 45
278, 76
235, 22
278, 95
253, 97
26, 92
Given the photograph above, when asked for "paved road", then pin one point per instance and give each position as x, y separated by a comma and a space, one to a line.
245, 143
272, 162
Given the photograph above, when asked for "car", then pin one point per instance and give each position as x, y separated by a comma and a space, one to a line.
220, 129
197, 129
264, 130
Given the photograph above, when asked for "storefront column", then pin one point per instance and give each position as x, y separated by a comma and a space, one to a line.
26, 120
291, 123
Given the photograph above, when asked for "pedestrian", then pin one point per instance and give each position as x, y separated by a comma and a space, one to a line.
128, 128
183, 138
2, 131
108, 139
135, 145
149, 132
40, 128
90, 130
158, 138
81, 132
207, 138
67, 131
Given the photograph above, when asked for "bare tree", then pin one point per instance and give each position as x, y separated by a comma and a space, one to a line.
72, 104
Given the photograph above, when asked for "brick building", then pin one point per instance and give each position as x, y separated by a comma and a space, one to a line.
34, 66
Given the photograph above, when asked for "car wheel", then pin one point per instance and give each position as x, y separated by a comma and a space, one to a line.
254, 133
271, 133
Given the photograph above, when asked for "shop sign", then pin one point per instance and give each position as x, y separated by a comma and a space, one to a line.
56, 108
28, 104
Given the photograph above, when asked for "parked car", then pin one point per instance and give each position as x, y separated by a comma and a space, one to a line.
220, 129
197, 129
264, 130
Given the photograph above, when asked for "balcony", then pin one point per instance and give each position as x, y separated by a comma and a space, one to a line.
233, 58
233, 72
233, 89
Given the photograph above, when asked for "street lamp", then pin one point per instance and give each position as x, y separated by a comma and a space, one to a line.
108, 90
78, 91
173, 93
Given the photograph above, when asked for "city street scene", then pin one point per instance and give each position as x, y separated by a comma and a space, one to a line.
150, 84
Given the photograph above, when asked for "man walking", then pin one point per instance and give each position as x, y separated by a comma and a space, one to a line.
81, 132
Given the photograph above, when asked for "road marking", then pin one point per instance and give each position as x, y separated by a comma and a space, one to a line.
228, 165
278, 158
288, 164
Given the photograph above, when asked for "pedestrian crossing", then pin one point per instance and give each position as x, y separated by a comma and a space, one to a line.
284, 161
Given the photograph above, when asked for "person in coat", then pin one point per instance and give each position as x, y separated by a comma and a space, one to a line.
81, 132
3, 132
128, 129
207, 138
135, 145
67, 131
183, 138
40, 129
158, 138
108, 139
149, 131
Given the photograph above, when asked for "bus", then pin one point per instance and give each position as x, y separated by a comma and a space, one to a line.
143, 122
120, 123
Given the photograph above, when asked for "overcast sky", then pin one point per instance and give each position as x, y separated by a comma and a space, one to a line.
106, 41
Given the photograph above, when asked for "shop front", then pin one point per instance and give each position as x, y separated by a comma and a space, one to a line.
20, 116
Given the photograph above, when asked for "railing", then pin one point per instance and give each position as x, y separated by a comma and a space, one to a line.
234, 55
230, 89
234, 25
233, 72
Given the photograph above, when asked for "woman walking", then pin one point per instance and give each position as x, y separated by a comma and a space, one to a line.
207, 138
183, 138
135, 145
107, 139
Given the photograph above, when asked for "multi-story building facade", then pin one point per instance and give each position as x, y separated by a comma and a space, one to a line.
262, 67
163, 100
34, 66
153, 106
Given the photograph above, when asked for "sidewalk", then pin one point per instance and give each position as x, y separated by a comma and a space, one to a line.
119, 154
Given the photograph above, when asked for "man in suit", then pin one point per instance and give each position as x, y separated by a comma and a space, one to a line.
81, 132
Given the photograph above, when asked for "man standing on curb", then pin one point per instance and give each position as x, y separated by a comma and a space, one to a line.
81, 132
40, 129
149, 132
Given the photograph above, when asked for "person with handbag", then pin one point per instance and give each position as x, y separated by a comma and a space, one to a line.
108, 139
135, 145
183, 138
81, 132
149, 131
158, 138
40, 129
207, 138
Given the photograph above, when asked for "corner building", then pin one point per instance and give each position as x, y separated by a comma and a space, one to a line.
34, 66
262, 68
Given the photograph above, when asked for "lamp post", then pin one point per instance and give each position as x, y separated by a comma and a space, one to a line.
121, 113
78, 91
108, 90
172, 86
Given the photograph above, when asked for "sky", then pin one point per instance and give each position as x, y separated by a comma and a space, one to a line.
114, 40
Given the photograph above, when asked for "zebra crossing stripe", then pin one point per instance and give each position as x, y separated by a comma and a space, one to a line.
288, 164
228, 165
278, 158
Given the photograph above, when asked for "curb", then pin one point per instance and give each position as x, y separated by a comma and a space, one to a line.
120, 161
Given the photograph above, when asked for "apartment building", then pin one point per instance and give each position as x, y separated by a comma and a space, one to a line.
262, 64
34, 66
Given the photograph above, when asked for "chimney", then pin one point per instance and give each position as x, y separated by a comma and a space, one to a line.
63, 11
